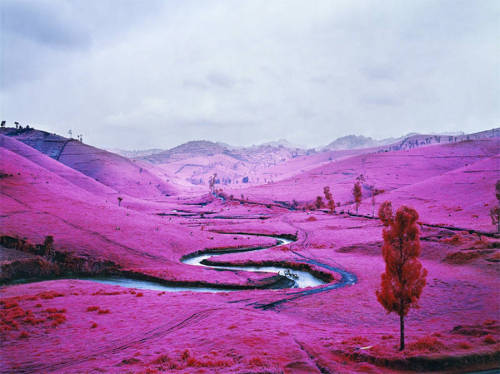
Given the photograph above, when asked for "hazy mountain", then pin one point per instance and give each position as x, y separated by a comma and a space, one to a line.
352, 142
136, 153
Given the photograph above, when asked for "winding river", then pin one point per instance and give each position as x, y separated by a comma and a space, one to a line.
302, 279
299, 278
302, 282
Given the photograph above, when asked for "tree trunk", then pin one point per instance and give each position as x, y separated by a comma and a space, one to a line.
402, 332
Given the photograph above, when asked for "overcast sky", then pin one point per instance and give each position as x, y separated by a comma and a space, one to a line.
141, 74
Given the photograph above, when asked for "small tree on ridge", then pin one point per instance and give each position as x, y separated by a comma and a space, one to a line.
404, 278
319, 202
329, 199
357, 194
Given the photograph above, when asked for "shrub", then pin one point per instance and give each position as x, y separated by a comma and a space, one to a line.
54, 310
58, 317
256, 361
48, 295
9, 305
488, 339
161, 359
427, 344
464, 345
130, 361
461, 257
456, 239
33, 321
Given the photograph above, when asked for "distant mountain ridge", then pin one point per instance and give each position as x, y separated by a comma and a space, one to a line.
205, 148
136, 153
352, 142
194, 162
209, 148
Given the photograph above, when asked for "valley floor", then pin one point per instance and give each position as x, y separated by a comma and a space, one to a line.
74, 326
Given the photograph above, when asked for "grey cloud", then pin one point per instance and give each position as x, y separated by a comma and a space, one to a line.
42, 22
220, 79
199, 85
34, 36
249, 71
380, 73
381, 100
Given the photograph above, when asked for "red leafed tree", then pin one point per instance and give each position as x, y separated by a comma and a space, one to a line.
329, 199
356, 192
404, 278
385, 213
319, 202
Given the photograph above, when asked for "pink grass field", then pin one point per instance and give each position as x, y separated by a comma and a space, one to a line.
80, 326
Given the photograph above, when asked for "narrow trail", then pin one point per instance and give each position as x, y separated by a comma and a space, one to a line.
62, 149
114, 347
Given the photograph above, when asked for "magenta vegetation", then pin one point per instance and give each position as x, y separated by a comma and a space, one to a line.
151, 263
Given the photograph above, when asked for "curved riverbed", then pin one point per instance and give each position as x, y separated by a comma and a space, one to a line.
302, 279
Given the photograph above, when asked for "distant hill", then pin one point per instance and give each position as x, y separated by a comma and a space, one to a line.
117, 172
187, 150
418, 140
45, 142
352, 142
194, 162
136, 153
459, 176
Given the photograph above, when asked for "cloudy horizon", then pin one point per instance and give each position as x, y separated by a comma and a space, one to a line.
135, 75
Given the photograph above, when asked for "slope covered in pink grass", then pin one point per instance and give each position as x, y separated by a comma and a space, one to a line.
37, 202
109, 169
81, 326
405, 174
